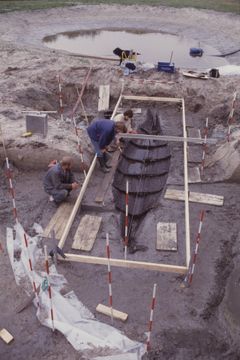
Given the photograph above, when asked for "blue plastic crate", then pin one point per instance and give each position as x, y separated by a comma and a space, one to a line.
166, 66
196, 52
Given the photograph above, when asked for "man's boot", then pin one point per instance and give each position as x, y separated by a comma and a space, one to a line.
106, 157
102, 165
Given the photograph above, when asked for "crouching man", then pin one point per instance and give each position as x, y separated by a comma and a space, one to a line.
59, 181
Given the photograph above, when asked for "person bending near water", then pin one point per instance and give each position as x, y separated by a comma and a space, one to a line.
59, 180
101, 133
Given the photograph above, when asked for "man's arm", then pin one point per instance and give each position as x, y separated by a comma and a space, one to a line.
56, 181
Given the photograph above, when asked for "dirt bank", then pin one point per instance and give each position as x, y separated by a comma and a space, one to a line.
192, 323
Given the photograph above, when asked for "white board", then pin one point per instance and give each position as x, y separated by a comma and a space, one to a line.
104, 96
166, 236
86, 233
194, 175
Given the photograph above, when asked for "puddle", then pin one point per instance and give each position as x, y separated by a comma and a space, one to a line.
152, 46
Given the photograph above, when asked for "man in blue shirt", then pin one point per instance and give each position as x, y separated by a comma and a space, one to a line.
101, 133
59, 181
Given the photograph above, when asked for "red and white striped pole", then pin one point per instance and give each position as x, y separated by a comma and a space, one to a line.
151, 317
230, 117
31, 268
204, 145
60, 97
192, 268
109, 276
49, 285
126, 222
12, 192
9, 176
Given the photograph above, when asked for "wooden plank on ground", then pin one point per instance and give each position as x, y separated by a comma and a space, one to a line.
104, 185
106, 310
174, 194
104, 96
6, 336
59, 220
166, 236
194, 175
86, 232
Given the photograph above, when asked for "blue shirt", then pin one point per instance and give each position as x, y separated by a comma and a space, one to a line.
102, 131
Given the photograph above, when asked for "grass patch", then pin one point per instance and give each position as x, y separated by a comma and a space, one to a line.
232, 6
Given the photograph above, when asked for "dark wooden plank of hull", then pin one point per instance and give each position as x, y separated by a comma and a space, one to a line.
144, 144
138, 205
153, 154
138, 168
140, 185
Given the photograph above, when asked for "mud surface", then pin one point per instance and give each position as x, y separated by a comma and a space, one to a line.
200, 322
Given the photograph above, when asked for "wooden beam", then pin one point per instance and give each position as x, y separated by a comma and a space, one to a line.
130, 264
118, 102
209, 199
106, 310
184, 139
152, 98
186, 194
103, 97
77, 204
104, 185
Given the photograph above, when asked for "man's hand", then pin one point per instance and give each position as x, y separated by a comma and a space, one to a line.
75, 185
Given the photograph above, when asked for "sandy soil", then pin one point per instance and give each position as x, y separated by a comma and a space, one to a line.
201, 322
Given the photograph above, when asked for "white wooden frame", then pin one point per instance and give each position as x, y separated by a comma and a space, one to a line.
130, 263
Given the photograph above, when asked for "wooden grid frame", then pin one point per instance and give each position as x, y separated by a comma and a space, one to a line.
130, 263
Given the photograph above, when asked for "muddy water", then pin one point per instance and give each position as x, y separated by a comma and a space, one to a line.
153, 47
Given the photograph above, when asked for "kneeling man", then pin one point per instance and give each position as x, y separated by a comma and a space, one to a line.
59, 181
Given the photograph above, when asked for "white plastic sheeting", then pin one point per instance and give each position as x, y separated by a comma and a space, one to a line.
94, 339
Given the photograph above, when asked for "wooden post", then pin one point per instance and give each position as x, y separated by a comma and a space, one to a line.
167, 138
152, 98
187, 224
